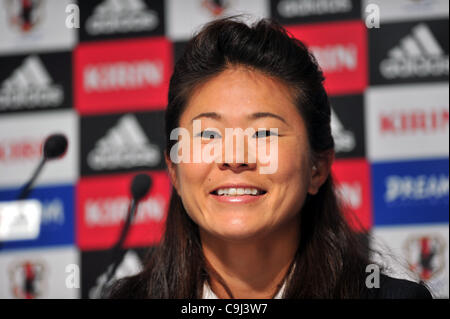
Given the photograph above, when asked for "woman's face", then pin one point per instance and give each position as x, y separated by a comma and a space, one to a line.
241, 98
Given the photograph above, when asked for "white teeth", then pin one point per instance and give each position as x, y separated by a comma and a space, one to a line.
237, 191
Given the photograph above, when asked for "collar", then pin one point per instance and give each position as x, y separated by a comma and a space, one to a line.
209, 294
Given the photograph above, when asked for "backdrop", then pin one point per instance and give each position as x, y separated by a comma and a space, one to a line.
104, 85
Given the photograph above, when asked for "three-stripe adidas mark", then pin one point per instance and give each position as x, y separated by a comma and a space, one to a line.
417, 55
30, 86
124, 146
121, 16
344, 139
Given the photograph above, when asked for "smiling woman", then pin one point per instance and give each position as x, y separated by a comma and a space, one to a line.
231, 231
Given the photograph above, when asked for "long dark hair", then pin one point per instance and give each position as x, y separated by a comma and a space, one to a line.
331, 259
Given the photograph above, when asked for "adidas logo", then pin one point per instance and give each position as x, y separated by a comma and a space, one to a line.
30, 86
130, 266
121, 16
302, 8
124, 146
417, 55
344, 140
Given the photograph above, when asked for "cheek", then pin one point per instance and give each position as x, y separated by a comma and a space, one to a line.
292, 176
190, 174
293, 162
191, 180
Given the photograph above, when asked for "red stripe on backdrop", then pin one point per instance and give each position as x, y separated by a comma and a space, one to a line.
352, 178
125, 75
341, 50
102, 205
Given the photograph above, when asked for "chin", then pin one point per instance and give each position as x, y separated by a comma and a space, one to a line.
237, 237
237, 230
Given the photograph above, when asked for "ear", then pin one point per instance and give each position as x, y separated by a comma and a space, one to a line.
320, 170
171, 167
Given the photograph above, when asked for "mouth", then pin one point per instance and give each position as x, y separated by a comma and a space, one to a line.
238, 190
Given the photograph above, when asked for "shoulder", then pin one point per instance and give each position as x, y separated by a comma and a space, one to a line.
393, 288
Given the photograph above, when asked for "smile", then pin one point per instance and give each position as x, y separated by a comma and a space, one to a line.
238, 194
232, 191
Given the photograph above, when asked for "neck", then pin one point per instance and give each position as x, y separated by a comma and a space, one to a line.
252, 268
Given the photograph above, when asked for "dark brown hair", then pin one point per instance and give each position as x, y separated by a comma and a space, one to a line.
331, 259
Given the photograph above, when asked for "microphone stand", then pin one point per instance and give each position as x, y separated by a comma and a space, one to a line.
117, 254
54, 146
27, 188
140, 186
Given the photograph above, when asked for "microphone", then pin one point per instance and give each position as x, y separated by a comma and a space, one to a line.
140, 186
21, 219
55, 146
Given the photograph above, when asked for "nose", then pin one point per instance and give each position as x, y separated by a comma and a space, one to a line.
237, 167
238, 156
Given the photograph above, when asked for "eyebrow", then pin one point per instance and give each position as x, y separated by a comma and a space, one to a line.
212, 115
254, 116
259, 115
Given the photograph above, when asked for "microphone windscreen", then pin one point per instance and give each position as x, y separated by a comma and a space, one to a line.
140, 186
55, 146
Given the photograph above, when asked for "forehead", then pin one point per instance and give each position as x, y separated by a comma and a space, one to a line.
239, 91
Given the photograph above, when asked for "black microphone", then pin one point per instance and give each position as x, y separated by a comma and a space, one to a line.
55, 146
140, 186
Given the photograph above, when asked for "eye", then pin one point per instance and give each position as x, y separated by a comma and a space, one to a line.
208, 134
265, 133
